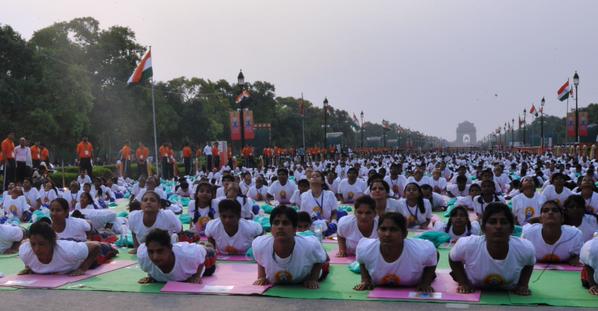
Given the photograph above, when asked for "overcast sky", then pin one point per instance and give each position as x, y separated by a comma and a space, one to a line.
426, 65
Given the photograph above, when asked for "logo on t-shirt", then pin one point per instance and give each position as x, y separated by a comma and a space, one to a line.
316, 211
350, 195
494, 280
391, 280
202, 222
529, 212
283, 195
412, 221
283, 277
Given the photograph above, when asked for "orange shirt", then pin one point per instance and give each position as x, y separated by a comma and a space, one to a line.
164, 152
126, 152
8, 149
45, 154
215, 152
198, 152
187, 152
35, 153
142, 153
84, 150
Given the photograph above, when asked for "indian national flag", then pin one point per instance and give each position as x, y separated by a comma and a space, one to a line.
564, 91
143, 70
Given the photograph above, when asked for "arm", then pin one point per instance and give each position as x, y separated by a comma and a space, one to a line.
25, 271
213, 242
522, 288
342, 247
460, 276
366, 280
261, 276
93, 249
592, 286
196, 277
427, 278
312, 280
135, 244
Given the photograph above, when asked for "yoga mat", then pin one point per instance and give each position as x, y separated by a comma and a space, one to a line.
558, 267
53, 281
234, 258
556, 288
339, 260
229, 279
444, 286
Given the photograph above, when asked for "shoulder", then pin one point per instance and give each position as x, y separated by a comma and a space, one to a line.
522, 246
261, 242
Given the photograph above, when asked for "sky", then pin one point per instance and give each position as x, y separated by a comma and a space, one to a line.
425, 65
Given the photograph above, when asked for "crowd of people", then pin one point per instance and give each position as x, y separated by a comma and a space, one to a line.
506, 211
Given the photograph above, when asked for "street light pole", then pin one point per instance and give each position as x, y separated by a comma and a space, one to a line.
325, 118
524, 125
240, 83
512, 133
362, 129
576, 83
542, 122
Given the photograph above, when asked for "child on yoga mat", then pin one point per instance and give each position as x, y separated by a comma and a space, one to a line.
230, 234
394, 260
44, 254
10, 238
458, 224
287, 258
487, 196
98, 217
552, 240
416, 210
151, 216
203, 208
589, 274
495, 260
164, 261
527, 204
320, 202
352, 228
67, 228
380, 193
576, 215
303, 222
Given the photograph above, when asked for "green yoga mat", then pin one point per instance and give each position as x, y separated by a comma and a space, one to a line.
556, 288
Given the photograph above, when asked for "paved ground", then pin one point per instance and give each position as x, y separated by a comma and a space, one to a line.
61, 300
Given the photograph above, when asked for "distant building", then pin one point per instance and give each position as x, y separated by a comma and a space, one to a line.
466, 135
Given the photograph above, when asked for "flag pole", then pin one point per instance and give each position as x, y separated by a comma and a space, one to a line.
566, 124
303, 120
155, 127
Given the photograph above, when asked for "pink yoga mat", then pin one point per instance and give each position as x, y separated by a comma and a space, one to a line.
340, 260
444, 286
234, 258
56, 280
229, 279
559, 267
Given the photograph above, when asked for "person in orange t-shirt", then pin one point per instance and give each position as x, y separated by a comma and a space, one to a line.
8, 155
45, 154
198, 155
125, 159
165, 160
36, 155
85, 154
141, 155
187, 158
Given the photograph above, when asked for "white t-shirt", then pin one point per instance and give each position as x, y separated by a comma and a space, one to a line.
253, 193
334, 186
97, 217
239, 242
425, 180
320, 207
588, 226
454, 190
188, 257
204, 217
412, 213
396, 185
244, 187
483, 270
437, 201
165, 220
407, 270
589, 256
70, 197
68, 256
15, 206
47, 196
348, 229
440, 226
282, 193
479, 205
525, 208
440, 183
75, 229
592, 203
350, 192
296, 198
31, 197
293, 269
550, 193
567, 246
9, 234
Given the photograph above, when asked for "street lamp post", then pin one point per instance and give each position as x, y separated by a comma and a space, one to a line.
384, 132
362, 129
524, 125
542, 122
240, 83
505, 128
512, 133
325, 118
576, 83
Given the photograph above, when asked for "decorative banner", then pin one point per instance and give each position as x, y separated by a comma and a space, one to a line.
584, 118
248, 118
235, 125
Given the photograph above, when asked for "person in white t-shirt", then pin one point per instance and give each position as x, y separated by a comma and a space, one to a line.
319, 202
332, 181
31, 194
98, 218
394, 260
44, 254
287, 258
246, 183
495, 260
233, 192
302, 187
151, 216
202, 208
458, 189
437, 200
438, 182
282, 189
416, 210
587, 192
589, 257
458, 224
527, 204
553, 241
15, 205
258, 191
557, 191
351, 187
164, 261
419, 177
72, 195
230, 234
396, 180
83, 178
577, 216
10, 238
487, 195
352, 228
67, 228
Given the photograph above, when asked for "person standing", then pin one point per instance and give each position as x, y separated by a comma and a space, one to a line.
45, 154
187, 157
216, 155
8, 154
125, 159
164, 154
207, 151
198, 154
23, 160
85, 154
36, 155
141, 155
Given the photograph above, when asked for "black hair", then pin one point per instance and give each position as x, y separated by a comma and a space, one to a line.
553, 202
43, 228
426, 187
461, 179
228, 205
383, 182
365, 200
91, 201
196, 202
228, 177
397, 218
290, 213
420, 201
159, 236
63, 203
496, 208
134, 206
282, 171
475, 186
303, 217
303, 182
453, 212
352, 169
